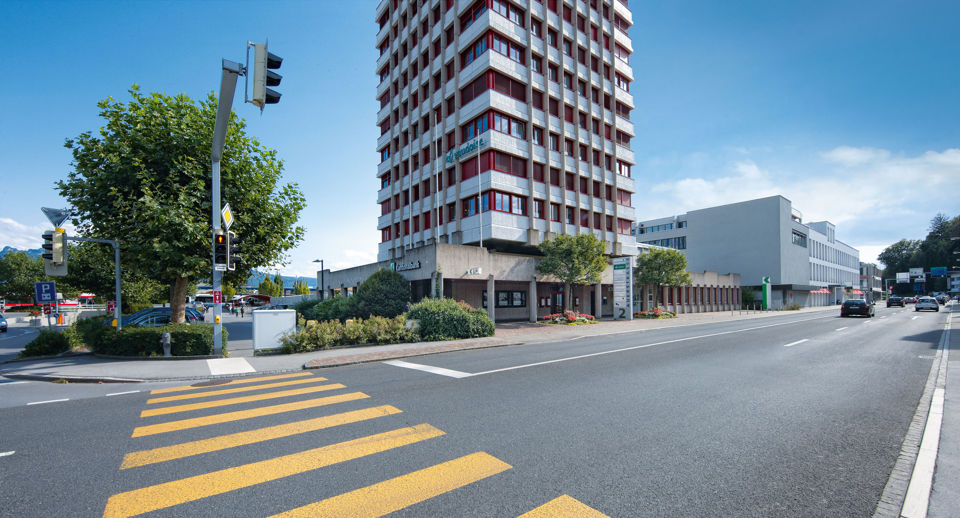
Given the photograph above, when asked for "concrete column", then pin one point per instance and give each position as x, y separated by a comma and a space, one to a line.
491, 299
433, 285
598, 299
683, 299
532, 300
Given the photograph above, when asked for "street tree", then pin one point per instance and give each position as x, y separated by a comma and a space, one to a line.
574, 260
18, 273
661, 268
278, 284
92, 271
300, 287
267, 287
144, 179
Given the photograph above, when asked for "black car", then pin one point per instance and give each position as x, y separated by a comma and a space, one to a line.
895, 301
3, 324
856, 307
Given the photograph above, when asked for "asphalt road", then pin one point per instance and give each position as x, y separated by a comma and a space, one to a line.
799, 415
14, 340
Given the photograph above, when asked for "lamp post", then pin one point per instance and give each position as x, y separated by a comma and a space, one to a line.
320, 288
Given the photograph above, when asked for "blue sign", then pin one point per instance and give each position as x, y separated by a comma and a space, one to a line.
46, 292
938, 271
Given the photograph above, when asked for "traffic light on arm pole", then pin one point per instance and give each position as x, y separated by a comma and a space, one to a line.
220, 247
55, 252
233, 251
264, 63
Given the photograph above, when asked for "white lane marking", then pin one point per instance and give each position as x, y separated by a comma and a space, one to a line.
220, 366
2, 382
429, 368
50, 401
624, 349
840, 328
914, 318
921, 481
791, 344
7, 453
121, 393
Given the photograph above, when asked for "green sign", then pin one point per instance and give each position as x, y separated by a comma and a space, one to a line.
464, 149
619, 267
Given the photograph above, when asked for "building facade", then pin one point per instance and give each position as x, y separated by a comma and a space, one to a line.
871, 281
503, 123
759, 238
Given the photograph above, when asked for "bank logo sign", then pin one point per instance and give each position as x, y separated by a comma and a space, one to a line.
402, 267
467, 148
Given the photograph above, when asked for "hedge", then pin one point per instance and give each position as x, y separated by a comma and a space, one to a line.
185, 340
324, 335
446, 319
46, 343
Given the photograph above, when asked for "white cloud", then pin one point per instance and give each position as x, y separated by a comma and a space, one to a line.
25, 236
854, 156
874, 197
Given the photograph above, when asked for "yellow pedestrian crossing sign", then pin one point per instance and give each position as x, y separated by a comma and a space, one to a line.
227, 216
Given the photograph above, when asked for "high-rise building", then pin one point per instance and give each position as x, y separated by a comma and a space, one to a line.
503, 123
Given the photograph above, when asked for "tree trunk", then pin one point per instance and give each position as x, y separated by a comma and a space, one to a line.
178, 299
656, 296
567, 296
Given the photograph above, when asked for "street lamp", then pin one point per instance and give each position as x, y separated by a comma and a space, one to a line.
320, 288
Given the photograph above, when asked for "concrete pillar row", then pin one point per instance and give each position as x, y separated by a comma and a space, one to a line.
598, 299
532, 300
491, 299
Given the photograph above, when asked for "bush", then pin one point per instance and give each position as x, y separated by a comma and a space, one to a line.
385, 294
337, 308
305, 306
46, 343
794, 306
185, 340
446, 319
569, 317
329, 333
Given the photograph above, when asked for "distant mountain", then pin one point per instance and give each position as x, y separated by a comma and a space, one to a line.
288, 280
33, 254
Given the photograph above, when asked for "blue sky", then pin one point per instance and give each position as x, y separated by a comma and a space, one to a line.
849, 109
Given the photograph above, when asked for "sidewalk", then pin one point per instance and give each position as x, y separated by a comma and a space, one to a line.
92, 369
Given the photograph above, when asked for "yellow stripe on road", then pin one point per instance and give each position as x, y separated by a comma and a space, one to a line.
403, 491
238, 400
564, 507
234, 382
179, 451
184, 424
196, 395
165, 495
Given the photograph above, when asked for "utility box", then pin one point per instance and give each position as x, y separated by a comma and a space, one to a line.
269, 325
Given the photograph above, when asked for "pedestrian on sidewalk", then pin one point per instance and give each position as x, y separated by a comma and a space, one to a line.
241, 312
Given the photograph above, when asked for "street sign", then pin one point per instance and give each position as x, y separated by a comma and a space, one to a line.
227, 216
916, 272
56, 216
111, 306
903, 277
623, 288
45, 292
938, 271
217, 297
46, 309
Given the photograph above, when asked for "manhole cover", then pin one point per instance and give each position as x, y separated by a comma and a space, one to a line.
210, 383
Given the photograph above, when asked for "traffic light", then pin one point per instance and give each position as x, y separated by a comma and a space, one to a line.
263, 76
221, 249
233, 251
55, 254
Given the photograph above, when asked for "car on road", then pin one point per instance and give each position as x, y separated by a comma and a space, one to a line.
927, 303
3, 324
909, 300
942, 299
894, 301
856, 307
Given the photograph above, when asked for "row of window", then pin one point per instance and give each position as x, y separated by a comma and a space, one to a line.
659, 228
700, 295
678, 243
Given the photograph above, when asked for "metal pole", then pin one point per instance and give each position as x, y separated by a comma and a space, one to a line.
323, 292
479, 193
116, 275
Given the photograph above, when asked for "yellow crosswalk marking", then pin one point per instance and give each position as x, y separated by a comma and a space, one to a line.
233, 382
184, 424
564, 507
165, 495
179, 451
237, 400
196, 395
403, 491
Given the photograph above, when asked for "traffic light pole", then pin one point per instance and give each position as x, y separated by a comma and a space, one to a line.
228, 86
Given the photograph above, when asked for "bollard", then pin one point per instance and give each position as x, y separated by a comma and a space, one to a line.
165, 343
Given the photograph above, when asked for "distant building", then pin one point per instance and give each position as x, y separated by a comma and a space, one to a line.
759, 238
708, 291
871, 281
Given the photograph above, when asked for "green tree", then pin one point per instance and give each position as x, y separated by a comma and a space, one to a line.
91, 269
661, 268
300, 287
385, 294
228, 291
18, 272
573, 260
267, 287
144, 179
278, 284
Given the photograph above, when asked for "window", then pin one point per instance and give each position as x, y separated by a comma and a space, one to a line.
511, 203
555, 212
553, 72
537, 136
509, 125
469, 206
554, 142
508, 299
799, 239
474, 128
554, 107
538, 209
555, 179
509, 11
474, 51
568, 81
570, 217
472, 15
536, 99
508, 48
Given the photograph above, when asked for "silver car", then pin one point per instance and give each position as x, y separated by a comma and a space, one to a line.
926, 303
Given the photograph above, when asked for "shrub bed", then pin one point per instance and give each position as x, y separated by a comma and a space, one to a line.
655, 313
185, 340
446, 319
569, 317
46, 343
329, 333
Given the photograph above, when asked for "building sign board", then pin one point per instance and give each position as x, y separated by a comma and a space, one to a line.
903, 277
938, 271
465, 149
402, 267
916, 272
623, 288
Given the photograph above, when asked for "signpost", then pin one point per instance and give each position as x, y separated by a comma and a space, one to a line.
217, 297
111, 306
45, 292
766, 292
623, 288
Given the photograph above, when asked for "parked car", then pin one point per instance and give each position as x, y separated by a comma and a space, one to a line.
926, 303
856, 307
3, 324
190, 315
894, 301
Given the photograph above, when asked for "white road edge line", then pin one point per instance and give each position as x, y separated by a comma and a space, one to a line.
429, 368
914, 317
50, 401
7, 453
122, 393
840, 328
791, 344
2, 383
624, 349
